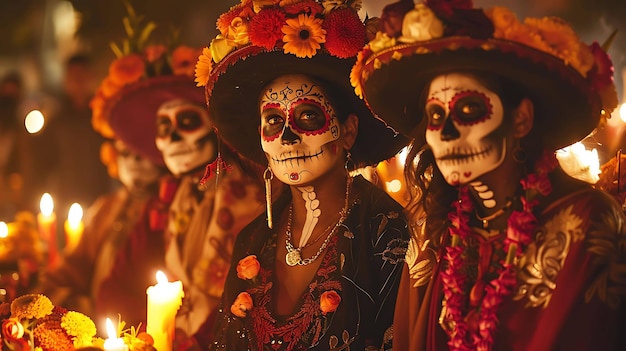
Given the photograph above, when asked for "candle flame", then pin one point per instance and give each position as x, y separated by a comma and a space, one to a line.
161, 277
75, 215
34, 121
46, 205
4, 230
111, 331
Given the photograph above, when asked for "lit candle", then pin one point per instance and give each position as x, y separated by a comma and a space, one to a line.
164, 300
113, 343
73, 227
4, 230
47, 222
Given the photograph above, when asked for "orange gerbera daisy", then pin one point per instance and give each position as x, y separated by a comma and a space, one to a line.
303, 36
203, 67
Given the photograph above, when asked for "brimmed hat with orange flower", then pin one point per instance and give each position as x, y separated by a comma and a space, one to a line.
140, 80
263, 40
570, 82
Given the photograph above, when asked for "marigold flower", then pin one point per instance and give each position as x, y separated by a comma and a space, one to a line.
345, 33
12, 329
50, 335
31, 306
154, 52
329, 301
109, 87
502, 19
108, 157
357, 69
248, 267
303, 36
183, 60
241, 306
203, 67
523, 34
265, 28
81, 327
127, 69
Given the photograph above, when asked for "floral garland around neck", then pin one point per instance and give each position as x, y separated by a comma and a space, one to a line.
475, 329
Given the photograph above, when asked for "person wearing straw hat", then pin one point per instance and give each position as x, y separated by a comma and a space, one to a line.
189, 232
508, 252
320, 269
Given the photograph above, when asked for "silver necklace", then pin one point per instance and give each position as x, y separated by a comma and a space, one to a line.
294, 254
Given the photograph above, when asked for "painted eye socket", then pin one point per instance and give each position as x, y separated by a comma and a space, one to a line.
469, 108
185, 120
164, 126
273, 124
436, 114
309, 118
188, 120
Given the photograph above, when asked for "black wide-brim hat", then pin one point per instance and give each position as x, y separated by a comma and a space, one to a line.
132, 112
566, 109
234, 89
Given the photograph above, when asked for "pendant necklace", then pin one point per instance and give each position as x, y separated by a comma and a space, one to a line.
294, 254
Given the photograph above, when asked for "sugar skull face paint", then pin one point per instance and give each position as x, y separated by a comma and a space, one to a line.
183, 136
463, 119
299, 130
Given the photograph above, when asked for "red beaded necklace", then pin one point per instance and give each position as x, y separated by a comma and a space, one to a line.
474, 328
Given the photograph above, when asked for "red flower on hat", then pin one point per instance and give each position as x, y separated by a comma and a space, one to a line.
446, 8
265, 28
345, 33
308, 7
601, 74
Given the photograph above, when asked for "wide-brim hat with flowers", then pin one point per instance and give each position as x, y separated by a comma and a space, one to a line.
263, 40
127, 101
569, 82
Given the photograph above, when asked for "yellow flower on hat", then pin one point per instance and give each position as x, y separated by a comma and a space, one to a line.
303, 36
203, 67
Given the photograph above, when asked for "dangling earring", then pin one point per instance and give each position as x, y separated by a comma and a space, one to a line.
518, 153
349, 166
268, 176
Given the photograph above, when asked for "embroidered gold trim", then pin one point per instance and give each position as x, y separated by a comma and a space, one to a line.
544, 258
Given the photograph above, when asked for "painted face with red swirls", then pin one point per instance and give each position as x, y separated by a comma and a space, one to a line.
463, 119
299, 130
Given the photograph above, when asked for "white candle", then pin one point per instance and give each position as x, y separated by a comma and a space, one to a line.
113, 343
74, 227
164, 300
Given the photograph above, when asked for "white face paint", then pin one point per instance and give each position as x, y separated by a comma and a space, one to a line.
135, 171
462, 117
183, 130
299, 130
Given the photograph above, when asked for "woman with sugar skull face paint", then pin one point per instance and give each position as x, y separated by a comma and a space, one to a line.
190, 231
508, 252
320, 269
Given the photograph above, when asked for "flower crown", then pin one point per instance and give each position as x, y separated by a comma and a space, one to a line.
137, 60
550, 35
298, 27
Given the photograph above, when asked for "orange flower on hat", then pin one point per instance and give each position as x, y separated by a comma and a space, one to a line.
563, 41
154, 52
109, 87
303, 36
523, 34
502, 19
329, 301
108, 157
127, 69
225, 19
355, 73
184, 59
203, 67
241, 306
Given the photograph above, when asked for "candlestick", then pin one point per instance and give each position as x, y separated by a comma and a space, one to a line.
73, 227
47, 222
113, 343
164, 300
